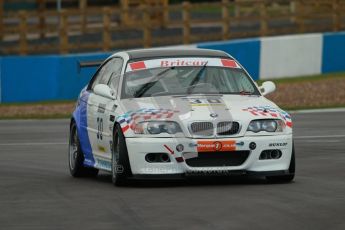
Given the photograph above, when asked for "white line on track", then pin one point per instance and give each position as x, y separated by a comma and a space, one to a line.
312, 137
30, 144
331, 110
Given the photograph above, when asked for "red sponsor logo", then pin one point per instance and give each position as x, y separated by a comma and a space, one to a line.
170, 63
216, 146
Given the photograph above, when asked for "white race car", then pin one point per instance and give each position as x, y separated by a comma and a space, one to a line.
160, 113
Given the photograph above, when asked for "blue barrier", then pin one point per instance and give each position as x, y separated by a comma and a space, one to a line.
42, 78
0, 80
25, 79
70, 81
246, 51
333, 52
56, 77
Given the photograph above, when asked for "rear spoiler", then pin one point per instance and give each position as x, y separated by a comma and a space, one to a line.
86, 64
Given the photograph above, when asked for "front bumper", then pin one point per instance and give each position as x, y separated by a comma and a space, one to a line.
139, 147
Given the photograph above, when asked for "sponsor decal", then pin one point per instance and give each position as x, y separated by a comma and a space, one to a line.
277, 144
178, 159
101, 108
110, 145
103, 164
176, 62
183, 62
229, 63
216, 146
114, 108
99, 128
270, 112
137, 65
169, 149
241, 143
204, 101
101, 149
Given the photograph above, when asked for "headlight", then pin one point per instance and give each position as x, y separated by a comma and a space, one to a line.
268, 125
157, 127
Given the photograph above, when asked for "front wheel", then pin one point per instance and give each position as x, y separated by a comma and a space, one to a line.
76, 156
121, 168
285, 178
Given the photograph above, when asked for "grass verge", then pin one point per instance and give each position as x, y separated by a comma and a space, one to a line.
312, 92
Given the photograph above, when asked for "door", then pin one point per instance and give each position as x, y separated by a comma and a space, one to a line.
99, 114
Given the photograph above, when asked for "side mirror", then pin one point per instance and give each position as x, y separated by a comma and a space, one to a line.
105, 91
267, 87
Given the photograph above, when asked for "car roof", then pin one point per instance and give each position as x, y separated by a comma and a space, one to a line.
174, 52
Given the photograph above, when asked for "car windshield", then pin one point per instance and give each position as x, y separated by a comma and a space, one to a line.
187, 80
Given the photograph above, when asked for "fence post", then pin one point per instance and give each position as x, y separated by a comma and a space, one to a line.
42, 19
23, 29
82, 8
237, 8
165, 13
336, 16
263, 18
147, 26
106, 29
300, 15
293, 11
186, 22
124, 12
1, 19
63, 32
225, 17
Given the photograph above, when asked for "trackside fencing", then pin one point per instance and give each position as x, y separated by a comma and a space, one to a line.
56, 77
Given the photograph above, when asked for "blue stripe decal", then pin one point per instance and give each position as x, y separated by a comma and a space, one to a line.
80, 116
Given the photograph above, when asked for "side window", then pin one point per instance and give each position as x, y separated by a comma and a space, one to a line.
115, 76
98, 77
109, 69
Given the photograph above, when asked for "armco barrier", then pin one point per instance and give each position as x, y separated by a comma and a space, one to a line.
56, 77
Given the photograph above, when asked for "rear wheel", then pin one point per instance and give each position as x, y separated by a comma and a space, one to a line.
76, 156
290, 176
121, 169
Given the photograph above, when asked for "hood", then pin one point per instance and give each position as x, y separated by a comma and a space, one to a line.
187, 109
199, 107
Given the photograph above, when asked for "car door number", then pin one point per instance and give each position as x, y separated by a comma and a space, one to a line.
99, 128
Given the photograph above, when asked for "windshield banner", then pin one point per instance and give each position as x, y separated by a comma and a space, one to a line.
176, 62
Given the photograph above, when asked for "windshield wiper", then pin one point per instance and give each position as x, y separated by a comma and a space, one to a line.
142, 90
243, 92
196, 78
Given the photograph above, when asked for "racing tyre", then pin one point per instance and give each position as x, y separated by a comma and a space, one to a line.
76, 156
121, 168
285, 178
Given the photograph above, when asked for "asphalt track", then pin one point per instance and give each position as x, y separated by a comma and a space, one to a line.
37, 192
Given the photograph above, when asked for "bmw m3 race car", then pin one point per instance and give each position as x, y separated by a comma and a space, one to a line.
157, 113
